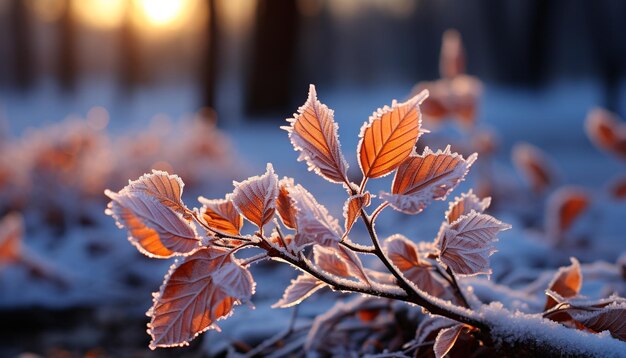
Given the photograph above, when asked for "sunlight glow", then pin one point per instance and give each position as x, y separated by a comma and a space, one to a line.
162, 12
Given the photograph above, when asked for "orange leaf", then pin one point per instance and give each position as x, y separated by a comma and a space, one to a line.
301, 288
466, 244
618, 188
284, 207
11, 232
403, 254
445, 340
329, 261
464, 205
255, 197
195, 294
423, 178
566, 283
389, 136
452, 58
167, 188
154, 228
564, 206
313, 132
532, 164
606, 131
352, 209
221, 215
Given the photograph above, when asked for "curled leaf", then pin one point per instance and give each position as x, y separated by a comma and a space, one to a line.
466, 244
566, 283
464, 205
610, 318
285, 209
607, 132
314, 224
154, 228
532, 164
301, 288
221, 215
313, 132
352, 209
430, 326
564, 206
11, 232
445, 340
403, 253
195, 294
389, 136
423, 178
255, 197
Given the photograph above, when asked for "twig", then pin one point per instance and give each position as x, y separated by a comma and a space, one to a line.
456, 287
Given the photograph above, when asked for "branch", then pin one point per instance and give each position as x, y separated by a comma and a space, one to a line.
358, 248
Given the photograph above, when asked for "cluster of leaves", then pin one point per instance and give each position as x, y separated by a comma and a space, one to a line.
208, 280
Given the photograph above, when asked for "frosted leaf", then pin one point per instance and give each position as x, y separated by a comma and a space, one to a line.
566, 283
466, 244
314, 224
389, 136
221, 215
564, 206
255, 197
11, 232
429, 325
403, 253
194, 295
423, 178
445, 340
168, 189
284, 207
611, 318
355, 266
607, 132
464, 205
352, 209
155, 229
313, 132
533, 165
301, 288
328, 260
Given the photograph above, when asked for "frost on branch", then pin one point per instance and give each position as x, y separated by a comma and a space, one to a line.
255, 197
464, 205
466, 244
352, 209
221, 215
195, 294
11, 232
566, 283
153, 227
389, 136
445, 340
313, 132
426, 177
302, 287
403, 253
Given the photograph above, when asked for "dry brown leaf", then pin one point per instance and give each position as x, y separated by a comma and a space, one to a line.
255, 197
466, 244
221, 215
606, 131
423, 178
11, 232
195, 294
566, 283
313, 132
431, 325
328, 260
389, 136
610, 318
286, 211
167, 188
464, 205
154, 228
445, 340
352, 209
452, 57
301, 288
564, 206
532, 164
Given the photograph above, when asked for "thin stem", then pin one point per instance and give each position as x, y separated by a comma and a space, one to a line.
457, 288
281, 237
358, 248
361, 186
378, 210
255, 258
